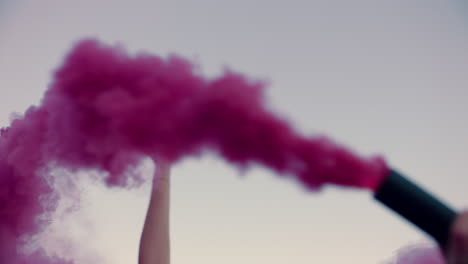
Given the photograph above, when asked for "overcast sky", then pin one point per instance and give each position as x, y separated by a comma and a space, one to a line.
386, 76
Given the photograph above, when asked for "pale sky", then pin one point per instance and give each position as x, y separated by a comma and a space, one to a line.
385, 76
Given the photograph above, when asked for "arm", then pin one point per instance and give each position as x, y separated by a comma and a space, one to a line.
155, 242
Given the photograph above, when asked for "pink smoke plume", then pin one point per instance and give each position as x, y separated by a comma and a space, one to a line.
419, 254
105, 110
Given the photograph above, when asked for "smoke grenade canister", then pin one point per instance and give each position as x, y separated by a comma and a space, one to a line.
417, 206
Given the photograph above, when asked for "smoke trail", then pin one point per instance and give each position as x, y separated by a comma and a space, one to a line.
419, 254
106, 110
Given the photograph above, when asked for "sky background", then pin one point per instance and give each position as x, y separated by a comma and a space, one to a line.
387, 76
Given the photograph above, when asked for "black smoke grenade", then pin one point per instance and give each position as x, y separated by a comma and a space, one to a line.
417, 206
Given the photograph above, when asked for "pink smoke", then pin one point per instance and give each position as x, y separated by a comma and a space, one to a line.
419, 254
106, 110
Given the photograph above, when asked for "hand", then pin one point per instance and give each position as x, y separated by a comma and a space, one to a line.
161, 176
457, 252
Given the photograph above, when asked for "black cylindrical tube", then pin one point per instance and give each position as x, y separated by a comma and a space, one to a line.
416, 205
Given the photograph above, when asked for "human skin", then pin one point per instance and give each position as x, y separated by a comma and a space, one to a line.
457, 252
155, 238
